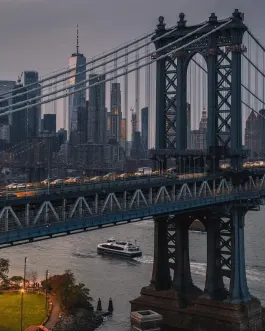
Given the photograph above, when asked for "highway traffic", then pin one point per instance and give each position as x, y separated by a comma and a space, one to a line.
50, 185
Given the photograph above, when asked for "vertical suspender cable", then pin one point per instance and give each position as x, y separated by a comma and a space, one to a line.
105, 138
263, 85
65, 107
147, 89
249, 83
137, 90
126, 108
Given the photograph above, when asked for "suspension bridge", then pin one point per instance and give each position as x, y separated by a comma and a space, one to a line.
209, 75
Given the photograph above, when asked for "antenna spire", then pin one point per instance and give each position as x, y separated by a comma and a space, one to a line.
77, 40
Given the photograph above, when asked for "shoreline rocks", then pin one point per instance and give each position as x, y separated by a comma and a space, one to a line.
81, 320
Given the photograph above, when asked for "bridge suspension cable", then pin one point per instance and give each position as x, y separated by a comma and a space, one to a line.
113, 70
242, 84
92, 62
98, 59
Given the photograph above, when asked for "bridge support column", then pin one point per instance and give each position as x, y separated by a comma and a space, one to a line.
161, 279
238, 292
236, 310
182, 281
214, 285
171, 251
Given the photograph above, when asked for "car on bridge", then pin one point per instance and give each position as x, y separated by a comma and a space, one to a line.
110, 176
96, 178
58, 181
47, 181
69, 180
11, 186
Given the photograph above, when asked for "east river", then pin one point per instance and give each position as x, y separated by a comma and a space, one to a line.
121, 279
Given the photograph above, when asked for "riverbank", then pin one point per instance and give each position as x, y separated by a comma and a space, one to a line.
81, 320
54, 313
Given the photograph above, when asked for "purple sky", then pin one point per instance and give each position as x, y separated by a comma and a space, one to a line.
40, 34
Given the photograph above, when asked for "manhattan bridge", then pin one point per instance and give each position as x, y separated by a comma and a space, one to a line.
216, 67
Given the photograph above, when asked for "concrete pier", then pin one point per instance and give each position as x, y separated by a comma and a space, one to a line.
145, 320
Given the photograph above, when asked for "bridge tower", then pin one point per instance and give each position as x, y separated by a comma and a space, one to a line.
183, 305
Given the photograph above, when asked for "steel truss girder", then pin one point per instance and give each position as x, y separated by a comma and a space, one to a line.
226, 246
223, 93
62, 210
232, 251
170, 111
222, 52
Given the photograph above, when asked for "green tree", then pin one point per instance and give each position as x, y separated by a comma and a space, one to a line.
32, 276
4, 269
69, 294
17, 280
80, 297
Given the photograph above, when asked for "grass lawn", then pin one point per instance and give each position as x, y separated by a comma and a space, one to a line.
10, 305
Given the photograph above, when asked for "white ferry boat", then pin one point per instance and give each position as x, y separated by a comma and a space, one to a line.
121, 248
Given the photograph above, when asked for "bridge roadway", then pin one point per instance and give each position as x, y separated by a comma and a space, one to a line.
38, 189
95, 205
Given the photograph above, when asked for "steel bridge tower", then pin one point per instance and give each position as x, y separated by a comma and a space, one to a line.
172, 292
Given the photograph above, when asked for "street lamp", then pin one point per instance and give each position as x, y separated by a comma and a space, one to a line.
22, 295
46, 290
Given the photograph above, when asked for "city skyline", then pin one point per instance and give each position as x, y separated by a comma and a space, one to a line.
103, 34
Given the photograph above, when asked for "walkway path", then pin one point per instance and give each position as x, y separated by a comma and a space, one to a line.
56, 310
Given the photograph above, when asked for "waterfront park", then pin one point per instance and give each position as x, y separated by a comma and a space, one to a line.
34, 310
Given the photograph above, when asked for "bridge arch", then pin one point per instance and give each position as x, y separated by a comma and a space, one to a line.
195, 68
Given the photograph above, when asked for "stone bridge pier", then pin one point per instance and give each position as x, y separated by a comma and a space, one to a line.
173, 294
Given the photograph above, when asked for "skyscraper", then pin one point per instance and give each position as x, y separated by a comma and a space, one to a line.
198, 137
115, 112
144, 117
82, 123
77, 100
97, 113
6, 88
34, 111
134, 122
19, 118
49, 123
253, 134
123, 132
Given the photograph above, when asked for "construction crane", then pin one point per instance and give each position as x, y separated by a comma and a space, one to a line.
19, 79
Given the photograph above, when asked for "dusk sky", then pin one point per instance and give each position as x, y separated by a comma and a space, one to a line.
40, 34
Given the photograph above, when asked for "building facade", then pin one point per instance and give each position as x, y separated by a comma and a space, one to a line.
33, 89
97, 112
19, 119
76, 86
49, 123
198, 137
115, 112
123, 133
144, 131
255, 135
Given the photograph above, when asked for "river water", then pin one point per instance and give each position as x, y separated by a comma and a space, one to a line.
122, 279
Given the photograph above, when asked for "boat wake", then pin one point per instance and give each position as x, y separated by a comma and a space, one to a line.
147, 259
197, 268
91, 255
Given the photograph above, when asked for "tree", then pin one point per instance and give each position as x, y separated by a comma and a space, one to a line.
4, 269
69, 294
32, 277
81, 297
17, 280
